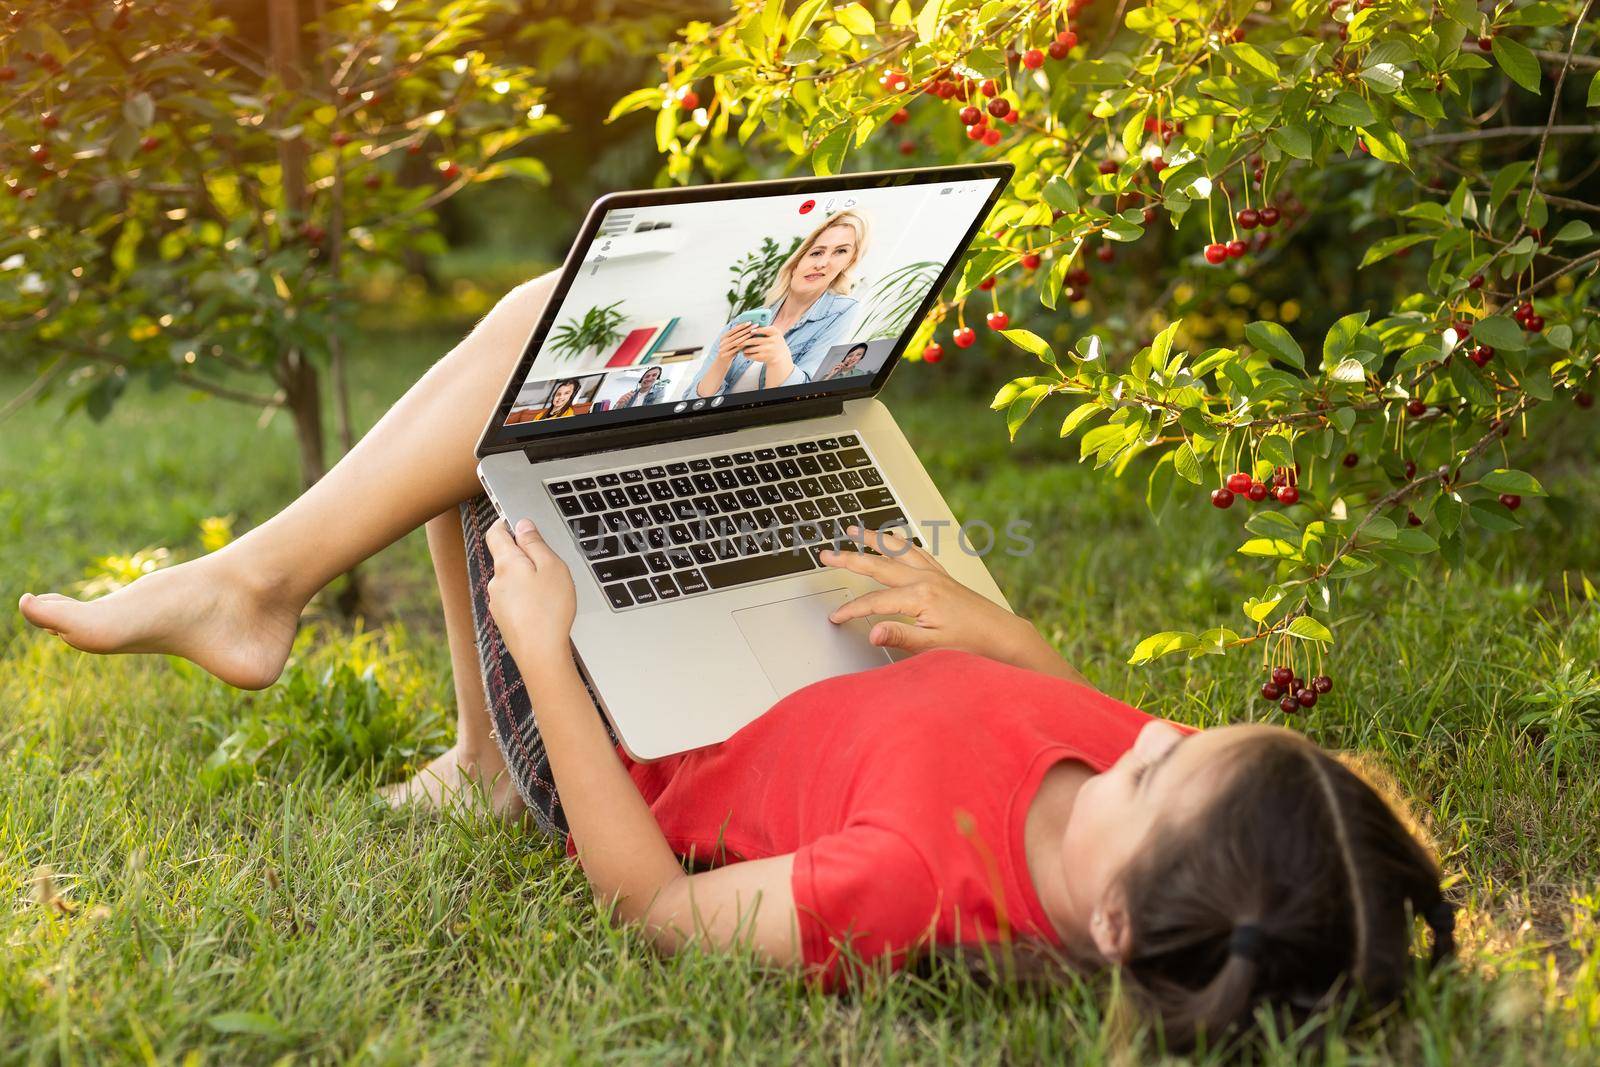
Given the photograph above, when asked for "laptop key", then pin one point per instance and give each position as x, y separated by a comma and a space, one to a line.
677, 468
721, 461
643, 592
807, 448
619, 596
615, 497
766, 453
584, 526
755, 569
661, 514
887, 519
809, 465
691, 582
789, 468
660, 491
828, 461
582, 484
699, 464
744, 457
704, 483
632, 476
680, 558
638, 494
682, 486
606, 480
592, 501
655, 472
849, 439
875, 498
559, 488
851, 480
665, 587
828, 443
855, 457
657, 561
788, 450
871, 476
703, 553
619, 569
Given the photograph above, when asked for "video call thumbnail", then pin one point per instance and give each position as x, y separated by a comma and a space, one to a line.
697, 304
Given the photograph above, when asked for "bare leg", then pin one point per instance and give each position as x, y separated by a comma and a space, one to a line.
234, 612
474, 761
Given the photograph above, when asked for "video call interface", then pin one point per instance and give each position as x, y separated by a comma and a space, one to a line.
686, 308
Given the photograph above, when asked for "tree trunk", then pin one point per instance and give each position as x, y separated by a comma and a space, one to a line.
302, 386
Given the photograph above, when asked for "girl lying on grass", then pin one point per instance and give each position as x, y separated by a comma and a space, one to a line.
975, 797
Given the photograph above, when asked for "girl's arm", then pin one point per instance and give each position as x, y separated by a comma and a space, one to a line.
624, 855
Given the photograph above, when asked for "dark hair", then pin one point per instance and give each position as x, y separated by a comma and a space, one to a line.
549, 403
1296, 885
859, 344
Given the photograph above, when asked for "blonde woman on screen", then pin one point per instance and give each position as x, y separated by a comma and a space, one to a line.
811, 307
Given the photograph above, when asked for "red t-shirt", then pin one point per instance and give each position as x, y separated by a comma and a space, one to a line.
903, 793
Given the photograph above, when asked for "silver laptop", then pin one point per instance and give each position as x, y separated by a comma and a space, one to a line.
690, 485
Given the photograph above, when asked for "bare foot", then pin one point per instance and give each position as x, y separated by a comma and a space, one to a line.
203, 610
455, 779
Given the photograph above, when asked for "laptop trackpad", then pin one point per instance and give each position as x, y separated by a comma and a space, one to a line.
796, 644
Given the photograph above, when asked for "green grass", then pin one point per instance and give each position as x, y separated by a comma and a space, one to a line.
225, 888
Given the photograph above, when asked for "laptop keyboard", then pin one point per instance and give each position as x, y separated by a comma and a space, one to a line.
666, 531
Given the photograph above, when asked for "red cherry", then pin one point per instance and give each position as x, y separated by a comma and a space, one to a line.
1524, 309
1059, 49
8, 74
688, 100
1078, 276
908, 148
340, 139
1269, 691
1533, 323
1412, 519
1239, 482
1105, 253
1221, 498
1486, 42
964, 337
1249, 218
449, 171
1068, 38
1108, 166
1415, 407
1476, 282
313, 233
975, 133
971, 116
1410, 468
901, 117
933, 353
1149, 215
372, 181
1282, 676
1237, 249
1270, 216
1257, 492
1288, 494
989, 88
987, 283
1306, 698
1216, 253
1030, 261
1288, 705
1350, 459
1033, 59
1481, 355
1511, 500
40, 154
991, 137
49, 120
999, 107
50, 62
1584, 400
997, 320
1322, 684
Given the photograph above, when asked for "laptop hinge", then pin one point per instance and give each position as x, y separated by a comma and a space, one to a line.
616, 438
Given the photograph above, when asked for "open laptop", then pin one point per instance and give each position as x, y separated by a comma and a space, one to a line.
690, 488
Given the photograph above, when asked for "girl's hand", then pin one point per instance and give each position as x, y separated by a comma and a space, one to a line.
944, 613
531, 598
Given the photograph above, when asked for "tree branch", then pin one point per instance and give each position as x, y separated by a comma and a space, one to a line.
1505, 131
225, 392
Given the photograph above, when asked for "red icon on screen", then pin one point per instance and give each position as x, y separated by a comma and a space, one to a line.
805, 208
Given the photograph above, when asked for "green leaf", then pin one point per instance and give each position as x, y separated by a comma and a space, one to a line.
1388, 246
928, 20
1308, 629
1261, 610
1447, 512
829, 154
1342, 335
1348, 370
1079, 415
1576, 230
139, 109
1294, 139
1500, 332
1594, 90
1187, 463
1272, 524
1162, 644
1493, 516
1277, 450
637, 100
1520, 65
1028, 341
1270, 548
1248, 55
857, 19
1521, 483
1275, 340
1059, 194
800, 22
1348, 109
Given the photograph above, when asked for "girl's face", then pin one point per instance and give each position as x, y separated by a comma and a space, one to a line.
562, 396
1167, 775
851, 358
829, 254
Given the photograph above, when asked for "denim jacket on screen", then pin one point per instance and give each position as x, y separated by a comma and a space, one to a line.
818, 330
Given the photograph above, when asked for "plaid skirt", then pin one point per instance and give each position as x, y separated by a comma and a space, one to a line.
510, 710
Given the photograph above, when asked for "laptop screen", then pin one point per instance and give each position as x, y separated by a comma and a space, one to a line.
694, 306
